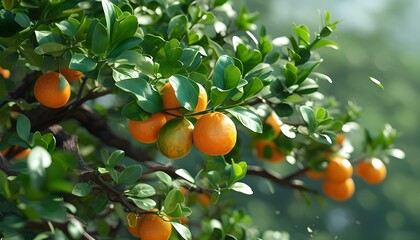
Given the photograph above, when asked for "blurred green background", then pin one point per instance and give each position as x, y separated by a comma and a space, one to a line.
378, 38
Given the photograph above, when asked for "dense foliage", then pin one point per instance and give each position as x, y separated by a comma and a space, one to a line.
85, 173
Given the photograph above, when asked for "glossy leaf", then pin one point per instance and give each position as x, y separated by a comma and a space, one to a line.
82, 63
134, 112
308, 116
182, 230
177, 26
186, 91
38, 160
23, 127
247, 117
219, 71
115, 157
242, 188
141, 190
81, 189
130, 175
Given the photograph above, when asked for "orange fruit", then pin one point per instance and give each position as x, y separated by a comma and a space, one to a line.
338, 169
339, 191
267, 150
214, 134
204, 199
316, 175
172, 106
339, 139
18, 155
175, 138
146, 131
372, 171
5, 72
274, 121
71, 75
47, 92
154, 227
133, 220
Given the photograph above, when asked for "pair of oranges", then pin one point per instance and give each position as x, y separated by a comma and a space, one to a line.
339, 184
214, 133
50, 93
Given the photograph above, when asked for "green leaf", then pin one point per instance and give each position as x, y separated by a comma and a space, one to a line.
141, 190
22, 19
38, 160
23, 127
232, 76
165, 178
147, 98
100, 203
99, 40
219, 71
75, 229
290, 73
183, 231
318, 75
177, 26
173, 198
242, 188
69, 26
377, 82
81, 189
219, 96
185, 174
115, 157
82, 63
4, 185
247, 117
134, 112
306, 69
326, 43
144, 203
130, 175
127, 44
110, 16
307, 86
283, 109
254, 86
143, 63
54, 49
395, 152
124, 29
308, 116
186, 91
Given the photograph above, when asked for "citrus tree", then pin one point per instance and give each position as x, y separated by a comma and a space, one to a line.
98, 98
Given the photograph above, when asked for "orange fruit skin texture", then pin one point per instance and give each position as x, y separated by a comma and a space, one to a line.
175, 138
214, 134
146, 131
47, 93
371, 171
71, 75
22, 154
276, 155
153, 227
204, 199
338, 169
316, 175
339, 191
169, 101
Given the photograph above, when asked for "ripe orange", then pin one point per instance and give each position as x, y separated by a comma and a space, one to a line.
204, 199
5, 72
175, 138
47, 92
146, 131
274, 121
267, 150
70, 74
133, 220
338, 169
339, 191
316, 175
371, 171
154, 227
172, 106
19, 155
214, 134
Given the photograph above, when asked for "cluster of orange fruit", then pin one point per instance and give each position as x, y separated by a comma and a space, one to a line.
150, 226
267, 149
338, 183
214, 133
47, 88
